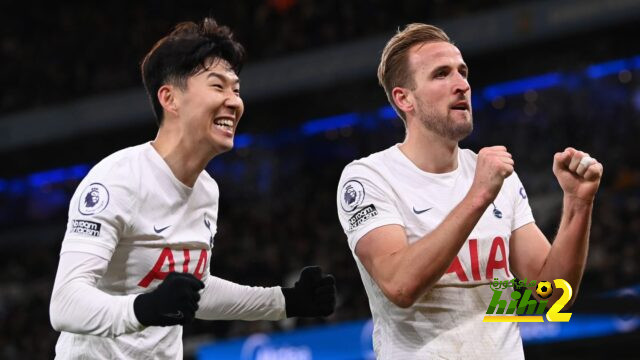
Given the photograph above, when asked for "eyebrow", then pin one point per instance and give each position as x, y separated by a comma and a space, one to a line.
223, 77
462, 66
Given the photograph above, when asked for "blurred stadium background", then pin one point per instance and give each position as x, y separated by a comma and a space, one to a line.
545, 75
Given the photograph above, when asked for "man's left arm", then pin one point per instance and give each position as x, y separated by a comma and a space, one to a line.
313, 295
531, 255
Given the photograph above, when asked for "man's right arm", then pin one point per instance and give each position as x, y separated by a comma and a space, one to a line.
78, 306
405, 271
99, 213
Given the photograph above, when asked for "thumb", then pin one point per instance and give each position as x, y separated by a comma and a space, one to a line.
310, 275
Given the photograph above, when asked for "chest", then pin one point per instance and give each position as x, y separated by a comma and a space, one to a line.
485, 253
167, 219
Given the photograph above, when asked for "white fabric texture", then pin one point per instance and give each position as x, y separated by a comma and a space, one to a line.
387, 188
131, 222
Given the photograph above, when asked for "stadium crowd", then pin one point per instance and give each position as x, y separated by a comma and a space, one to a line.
57, 52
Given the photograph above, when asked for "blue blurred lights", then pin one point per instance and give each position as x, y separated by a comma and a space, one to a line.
241, 141
329, 123
387, 113
608, 68
18, 186
522, 85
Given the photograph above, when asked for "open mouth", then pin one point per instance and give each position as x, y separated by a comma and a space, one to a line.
461, 105
224, 124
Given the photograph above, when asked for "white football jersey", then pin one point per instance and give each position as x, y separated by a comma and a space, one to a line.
387, 188
132, 211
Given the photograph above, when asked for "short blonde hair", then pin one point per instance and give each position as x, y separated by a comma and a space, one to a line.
394, 68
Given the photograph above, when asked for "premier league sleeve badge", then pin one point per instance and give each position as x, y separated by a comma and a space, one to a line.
93, 199
352, 195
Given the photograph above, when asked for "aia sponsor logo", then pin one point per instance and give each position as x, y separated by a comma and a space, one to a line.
166, 263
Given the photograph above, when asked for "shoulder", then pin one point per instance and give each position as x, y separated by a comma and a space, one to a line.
513, 182
208, 183
468, 155
116, 177
124, 162
371, 165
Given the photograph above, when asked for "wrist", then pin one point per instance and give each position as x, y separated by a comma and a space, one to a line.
290, 301
479, 199
143, 309
575, 202
576, 208
132, 323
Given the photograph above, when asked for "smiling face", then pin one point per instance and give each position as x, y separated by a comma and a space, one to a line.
441, 92
209, 107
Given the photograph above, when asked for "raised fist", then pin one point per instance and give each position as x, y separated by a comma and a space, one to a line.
494, 164
312, 295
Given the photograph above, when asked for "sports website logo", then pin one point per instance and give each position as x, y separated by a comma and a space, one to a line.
85, 227
361, 216
524, 304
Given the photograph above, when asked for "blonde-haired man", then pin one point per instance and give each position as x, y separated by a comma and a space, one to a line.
430, 225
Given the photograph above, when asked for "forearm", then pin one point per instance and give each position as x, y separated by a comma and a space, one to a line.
225, 300
77, 306
417, 267
568, 254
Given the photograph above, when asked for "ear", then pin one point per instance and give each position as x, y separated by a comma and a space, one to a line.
403, 99
168, 99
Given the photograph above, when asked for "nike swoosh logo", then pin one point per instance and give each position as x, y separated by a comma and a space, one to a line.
420, 211
158, 231
176, 315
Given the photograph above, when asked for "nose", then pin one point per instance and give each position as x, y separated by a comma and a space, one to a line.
234, 101
461, 84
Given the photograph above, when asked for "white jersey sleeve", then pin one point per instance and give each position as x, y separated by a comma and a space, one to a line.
101, 209
99, 213
364, 202
225, 300
522, 213
77, 306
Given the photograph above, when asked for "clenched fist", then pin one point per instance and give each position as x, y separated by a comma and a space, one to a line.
494, 164
578, 174
314, 294
173, 302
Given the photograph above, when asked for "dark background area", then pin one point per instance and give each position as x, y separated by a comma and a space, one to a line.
277, 205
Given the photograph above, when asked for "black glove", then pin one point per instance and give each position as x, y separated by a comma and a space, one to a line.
312, 295
173, 302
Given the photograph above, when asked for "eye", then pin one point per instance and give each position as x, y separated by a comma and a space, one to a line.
217, 86
441, 73
236, 91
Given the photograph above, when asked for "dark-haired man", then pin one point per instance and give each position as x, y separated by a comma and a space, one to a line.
134, 263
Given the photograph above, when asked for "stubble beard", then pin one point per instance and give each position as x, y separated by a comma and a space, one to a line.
443, 125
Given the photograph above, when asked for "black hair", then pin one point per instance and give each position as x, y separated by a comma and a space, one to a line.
185, 52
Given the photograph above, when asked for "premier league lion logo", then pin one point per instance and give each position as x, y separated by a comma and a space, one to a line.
349, 194
352, 195
93, 199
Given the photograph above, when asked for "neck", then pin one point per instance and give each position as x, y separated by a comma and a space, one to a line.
186, 159
430, 152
